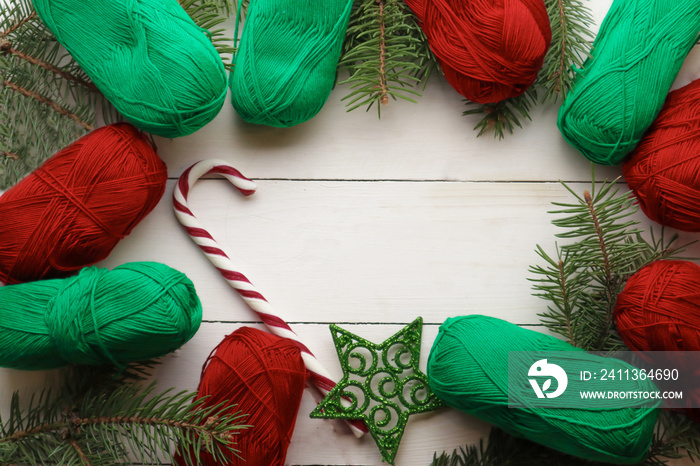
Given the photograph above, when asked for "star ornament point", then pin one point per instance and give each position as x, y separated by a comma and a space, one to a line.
381, 385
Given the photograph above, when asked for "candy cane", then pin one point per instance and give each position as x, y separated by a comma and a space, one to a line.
255, 300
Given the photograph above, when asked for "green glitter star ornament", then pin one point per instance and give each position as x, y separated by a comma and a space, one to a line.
382, 383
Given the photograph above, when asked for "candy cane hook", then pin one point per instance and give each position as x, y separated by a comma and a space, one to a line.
255, 300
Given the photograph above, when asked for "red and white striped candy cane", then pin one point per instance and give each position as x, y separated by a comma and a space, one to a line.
237, 280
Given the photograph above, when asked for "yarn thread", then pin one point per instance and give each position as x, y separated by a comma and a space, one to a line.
468, 370
621, 88
285, 66
263, 376
135, 312
489, 51
238, 281
149, 59
74, 209
664, 170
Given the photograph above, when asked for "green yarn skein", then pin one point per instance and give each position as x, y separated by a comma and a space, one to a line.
285, 67
634, 60
468, 370
149, 59
135, 312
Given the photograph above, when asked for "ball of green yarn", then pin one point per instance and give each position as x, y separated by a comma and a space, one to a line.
135, 312
468, 370
634, 60
150, 60
285, 67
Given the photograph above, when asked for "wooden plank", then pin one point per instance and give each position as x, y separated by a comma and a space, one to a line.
363, 252
429, 140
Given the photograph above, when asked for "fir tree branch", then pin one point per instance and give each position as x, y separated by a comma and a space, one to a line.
198, 429
601, 238
558, 283
505, 450
675, 437
385, 53
81, 454
503, 116
36, 430
564, 297
41, 111
115, 420
49, 103
6, 47
609, 282
571, 21
384, 97
19, 24
557, 87
502, 449
582, 281
110, 424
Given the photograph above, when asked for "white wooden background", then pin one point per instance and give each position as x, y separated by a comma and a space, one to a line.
368, 223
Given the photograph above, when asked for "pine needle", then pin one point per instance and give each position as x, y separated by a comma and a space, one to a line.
101, 417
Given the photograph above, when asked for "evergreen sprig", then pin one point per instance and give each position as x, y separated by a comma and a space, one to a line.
46, 100
100, 419
502, 449
571, 21
583, 277
503, 116
385, 53
675, 437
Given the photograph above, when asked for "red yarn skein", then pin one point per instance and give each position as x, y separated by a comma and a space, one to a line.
659, 309
73, 210
664, 170
262, 375
489, 50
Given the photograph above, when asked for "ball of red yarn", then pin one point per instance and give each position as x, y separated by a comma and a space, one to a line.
73, 210
664, 170
261, 375
489, 51
659, 310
